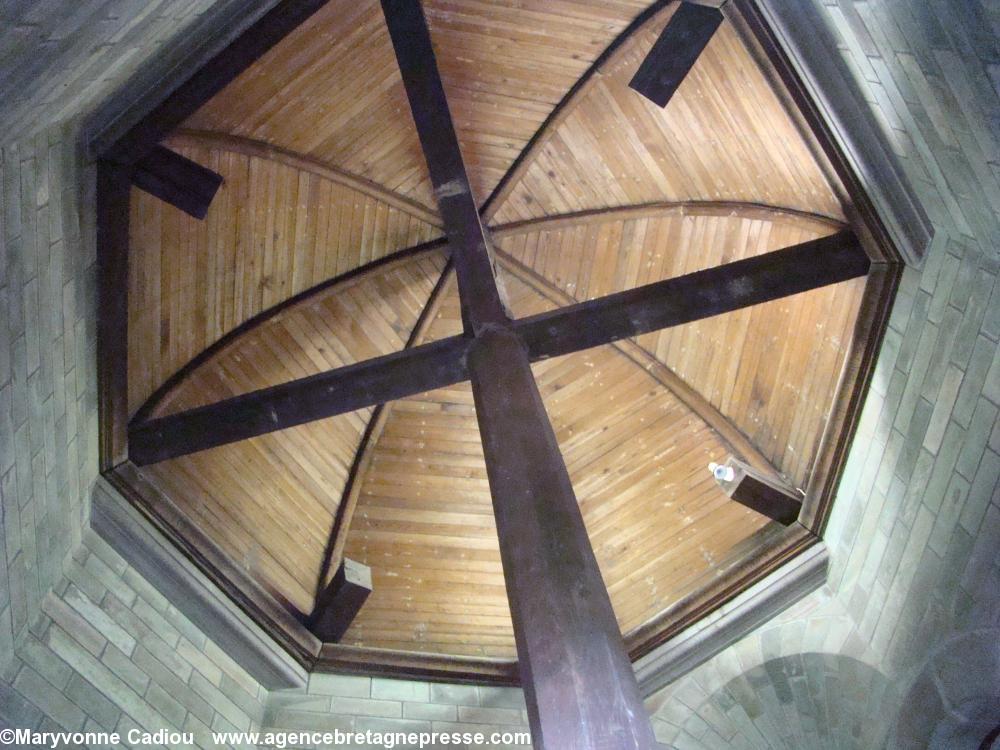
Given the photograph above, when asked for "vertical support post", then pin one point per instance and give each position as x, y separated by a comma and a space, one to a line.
579, 685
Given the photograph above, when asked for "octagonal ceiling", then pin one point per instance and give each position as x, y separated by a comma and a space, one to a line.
322, 248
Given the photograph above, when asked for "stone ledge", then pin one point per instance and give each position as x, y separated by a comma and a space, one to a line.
697, 644
175, 577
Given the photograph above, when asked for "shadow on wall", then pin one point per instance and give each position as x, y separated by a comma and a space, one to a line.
954, 703
804, 701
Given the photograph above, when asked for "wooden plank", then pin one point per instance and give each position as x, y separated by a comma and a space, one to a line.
766, 495
341, 601
173, 178
210, 79
702, 294
578, 682
675, 52
411, 40
304, 400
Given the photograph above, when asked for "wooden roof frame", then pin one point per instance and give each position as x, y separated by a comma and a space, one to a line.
752, 23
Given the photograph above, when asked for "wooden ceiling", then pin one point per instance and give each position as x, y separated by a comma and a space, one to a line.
594, 190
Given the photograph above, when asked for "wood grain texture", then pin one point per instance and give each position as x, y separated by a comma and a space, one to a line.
269, 502
273, 230
724, 136
323, 174
424, 520
339, 98
771, 370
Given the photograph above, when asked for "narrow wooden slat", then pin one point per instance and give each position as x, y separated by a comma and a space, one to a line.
112, 321
173, 178
675, 51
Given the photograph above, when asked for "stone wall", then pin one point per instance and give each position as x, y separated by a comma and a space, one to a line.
62, 60
107, 653
48, 383
357, 704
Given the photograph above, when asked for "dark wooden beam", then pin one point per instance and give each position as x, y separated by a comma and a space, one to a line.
602, 321
579, 686
173, 178
211, 78
675, 51
341, 601
767, 495
326, 394
474, 266
694, 296
112, 219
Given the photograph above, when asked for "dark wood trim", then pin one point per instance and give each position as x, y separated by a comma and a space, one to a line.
173, 178
470, 245
755, 605
840, 129
344, 659
211, 78
156, 403
768, 550
845, 414
675, 52
113, 189
341, 601
683, 299
308, 399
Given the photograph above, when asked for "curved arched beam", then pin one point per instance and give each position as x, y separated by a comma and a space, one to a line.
334, 552
162, 395
621, 315
610, 57
733, 209
261, 150
738, 443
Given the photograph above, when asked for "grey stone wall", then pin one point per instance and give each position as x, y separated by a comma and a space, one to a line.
62, 60
357, 704
48, 403
107, 653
